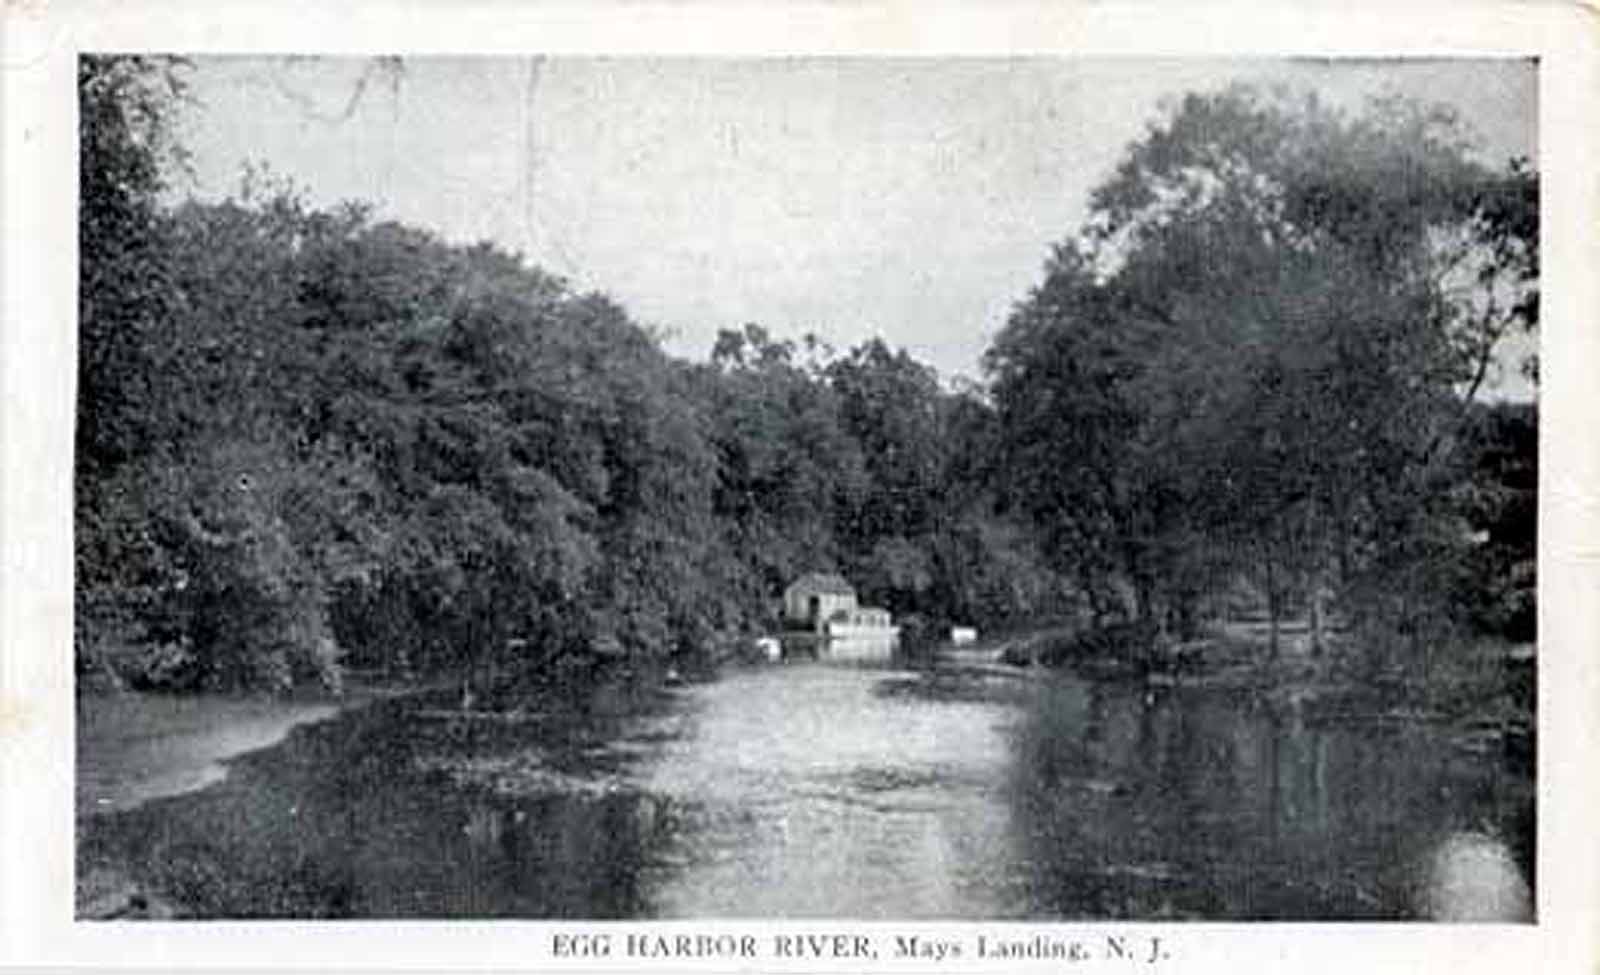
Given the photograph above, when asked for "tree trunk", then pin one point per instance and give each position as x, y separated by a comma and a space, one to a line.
1272, 609
1144, 598
1314, 558
1314, 612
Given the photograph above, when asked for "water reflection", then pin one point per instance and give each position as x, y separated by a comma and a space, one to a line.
806, 793
852, 788
856, 648
861, 648
1475, 877
1205, 805
359, 818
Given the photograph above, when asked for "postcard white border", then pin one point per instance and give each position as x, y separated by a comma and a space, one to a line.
37, 350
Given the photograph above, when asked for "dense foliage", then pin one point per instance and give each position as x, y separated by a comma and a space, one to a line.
311, 440
1260, 364
315, 440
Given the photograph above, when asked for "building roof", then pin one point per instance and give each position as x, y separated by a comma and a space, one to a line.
829, 582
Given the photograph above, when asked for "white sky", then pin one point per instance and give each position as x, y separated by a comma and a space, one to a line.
909, 198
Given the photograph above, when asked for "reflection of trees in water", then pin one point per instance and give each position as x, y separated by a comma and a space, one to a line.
1297, 805
339, 823
1127, 805
557, 856
1122, 806
1094, 796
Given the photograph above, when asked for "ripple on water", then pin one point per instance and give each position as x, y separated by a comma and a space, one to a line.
817, 794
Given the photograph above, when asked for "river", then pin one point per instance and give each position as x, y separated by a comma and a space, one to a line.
845, 787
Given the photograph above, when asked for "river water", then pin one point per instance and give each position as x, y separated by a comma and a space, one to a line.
852, 787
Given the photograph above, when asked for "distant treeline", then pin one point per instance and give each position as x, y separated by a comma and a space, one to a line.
312, 439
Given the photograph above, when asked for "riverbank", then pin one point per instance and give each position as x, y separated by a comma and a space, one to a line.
1483, 689
134, 747
159, 765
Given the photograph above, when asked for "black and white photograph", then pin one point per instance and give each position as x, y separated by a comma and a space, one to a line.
872, 509
714, 488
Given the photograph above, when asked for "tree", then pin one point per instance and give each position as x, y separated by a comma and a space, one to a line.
1499, 586
1256, 358
787, 471
126, 105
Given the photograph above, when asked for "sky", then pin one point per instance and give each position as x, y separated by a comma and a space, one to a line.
909, 198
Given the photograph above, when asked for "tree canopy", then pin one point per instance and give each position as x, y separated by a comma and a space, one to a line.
1262, 356
312, 439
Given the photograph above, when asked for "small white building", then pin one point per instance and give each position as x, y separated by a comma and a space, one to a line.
868, 616
817, 597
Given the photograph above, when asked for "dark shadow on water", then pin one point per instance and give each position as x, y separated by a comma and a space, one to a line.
1205, 805
949, 686
907, 790
361, 816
